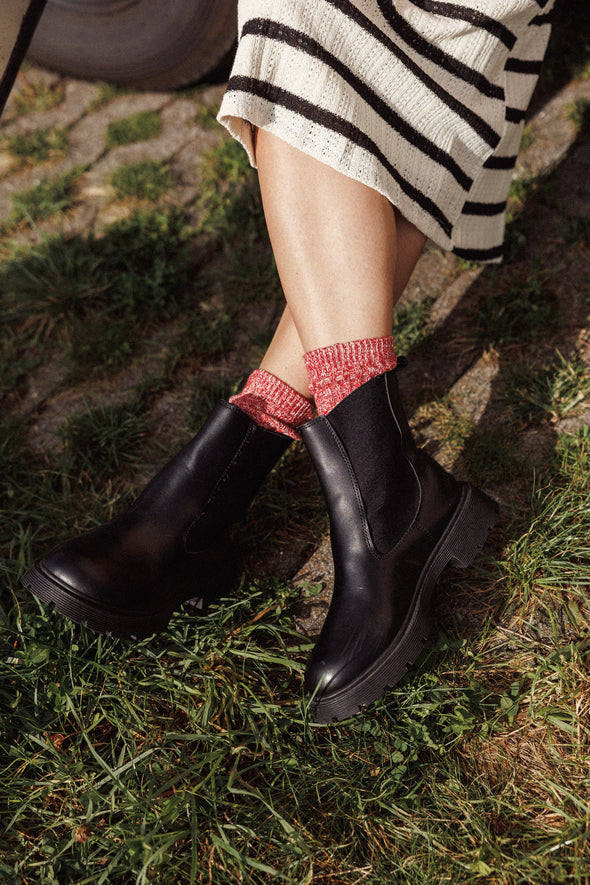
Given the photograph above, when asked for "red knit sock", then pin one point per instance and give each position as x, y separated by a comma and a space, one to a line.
337, 370
273, 404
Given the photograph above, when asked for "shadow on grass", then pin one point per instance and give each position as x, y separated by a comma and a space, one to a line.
521, 331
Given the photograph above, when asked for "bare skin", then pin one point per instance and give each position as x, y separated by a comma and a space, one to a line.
344, 256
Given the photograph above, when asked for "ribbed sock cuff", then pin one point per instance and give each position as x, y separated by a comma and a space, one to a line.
336, 371
274, 404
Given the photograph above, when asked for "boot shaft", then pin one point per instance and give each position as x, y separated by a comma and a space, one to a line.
376, 482
216, 475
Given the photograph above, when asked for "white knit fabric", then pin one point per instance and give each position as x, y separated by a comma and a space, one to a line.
422, 100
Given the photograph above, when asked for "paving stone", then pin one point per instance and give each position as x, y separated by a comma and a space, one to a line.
434, 271
471, 394
574, 423
452, 296
78, 98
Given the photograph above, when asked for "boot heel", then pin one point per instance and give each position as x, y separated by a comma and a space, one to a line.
476, 518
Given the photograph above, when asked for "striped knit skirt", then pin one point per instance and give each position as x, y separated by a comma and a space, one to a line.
422, 100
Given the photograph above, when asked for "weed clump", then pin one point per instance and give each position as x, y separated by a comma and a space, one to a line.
44, 199
138, 127
102, 441
35, 94
579, 114
146, 180
410, 325
549, 393
39, 145
107, 92
522, 308
230, 197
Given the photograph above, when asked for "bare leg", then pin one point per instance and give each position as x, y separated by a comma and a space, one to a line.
410, 242
343, 253
334, 241
284, 357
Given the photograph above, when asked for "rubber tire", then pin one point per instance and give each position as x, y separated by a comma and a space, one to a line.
138, 43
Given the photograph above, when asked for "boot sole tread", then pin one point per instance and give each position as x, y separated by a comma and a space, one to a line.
113, 622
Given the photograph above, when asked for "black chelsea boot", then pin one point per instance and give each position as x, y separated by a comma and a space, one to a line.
127, 577
397, 520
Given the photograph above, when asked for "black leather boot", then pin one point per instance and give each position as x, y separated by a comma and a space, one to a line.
397, 519
127, 577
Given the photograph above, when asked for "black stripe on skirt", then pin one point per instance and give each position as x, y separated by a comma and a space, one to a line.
281, 97
302, 42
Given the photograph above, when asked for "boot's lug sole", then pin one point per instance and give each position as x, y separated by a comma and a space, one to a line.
475, 516
118, 622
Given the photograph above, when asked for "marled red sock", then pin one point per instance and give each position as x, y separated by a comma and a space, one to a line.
273, 404
337, 370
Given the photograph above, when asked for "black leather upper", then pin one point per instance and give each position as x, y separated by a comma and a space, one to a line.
173, 544
389, 504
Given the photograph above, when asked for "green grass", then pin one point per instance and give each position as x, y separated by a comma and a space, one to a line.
206, 116
550, 393
39, 145
191, 756
493, 457
98, 295
523, 196
410, 325
108, 437
204, 331
230, 198
575, 230
579, 114
517, 308
107, 92
17, 359
145, 180
141, 126
231, 219
521, 190
45, 199
550, 561
444, 425
34, 94
527, 139
202, 399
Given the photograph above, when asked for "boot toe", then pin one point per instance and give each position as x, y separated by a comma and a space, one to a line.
334, 668
326, 678
86, 590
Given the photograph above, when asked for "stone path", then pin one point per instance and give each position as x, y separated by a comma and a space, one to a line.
181, 142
